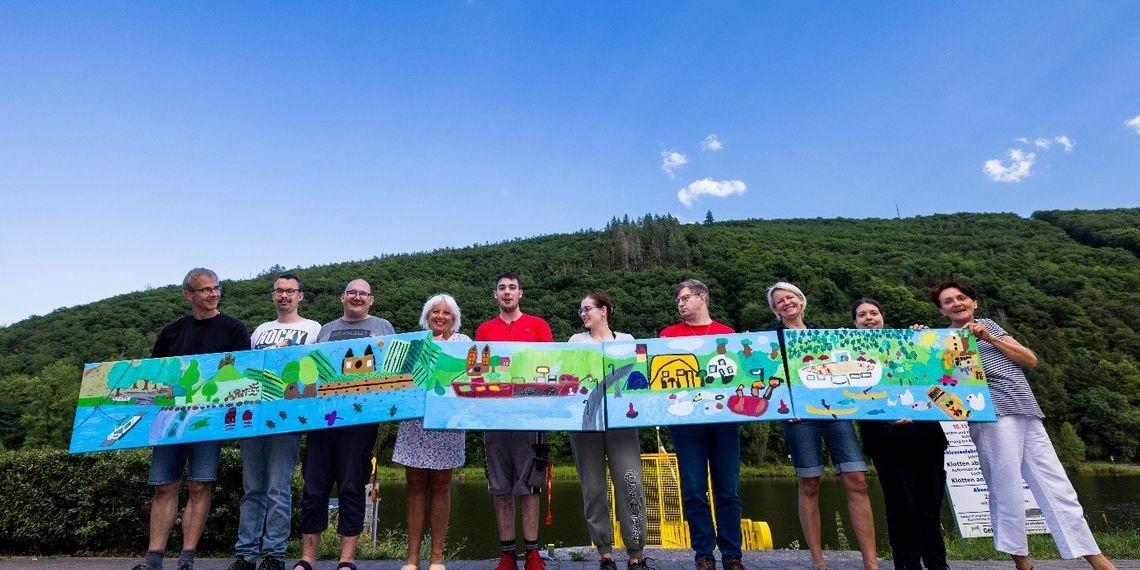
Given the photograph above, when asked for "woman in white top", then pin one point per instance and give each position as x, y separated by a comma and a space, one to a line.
620, 448
429, 456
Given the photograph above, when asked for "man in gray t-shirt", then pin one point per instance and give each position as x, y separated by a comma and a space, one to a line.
341, 328
340, 455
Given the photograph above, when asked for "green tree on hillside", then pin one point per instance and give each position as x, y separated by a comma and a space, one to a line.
49, 418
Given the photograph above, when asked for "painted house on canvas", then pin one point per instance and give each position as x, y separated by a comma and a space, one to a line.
673, 371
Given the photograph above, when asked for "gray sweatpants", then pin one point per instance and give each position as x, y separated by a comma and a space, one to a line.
622, 450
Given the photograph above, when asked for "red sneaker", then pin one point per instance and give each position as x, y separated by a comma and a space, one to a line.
507, 562
534, 561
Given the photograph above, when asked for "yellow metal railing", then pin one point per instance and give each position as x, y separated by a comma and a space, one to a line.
665, 523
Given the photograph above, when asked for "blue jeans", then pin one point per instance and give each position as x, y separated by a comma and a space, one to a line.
803, 439
701, 450
267, 465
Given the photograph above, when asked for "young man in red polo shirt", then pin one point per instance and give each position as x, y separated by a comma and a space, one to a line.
515, 461
707, 449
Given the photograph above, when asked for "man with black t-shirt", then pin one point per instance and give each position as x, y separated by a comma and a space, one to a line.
205, 330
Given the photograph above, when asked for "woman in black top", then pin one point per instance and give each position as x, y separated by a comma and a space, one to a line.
908, 456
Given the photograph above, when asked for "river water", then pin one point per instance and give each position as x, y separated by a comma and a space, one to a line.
1109, 502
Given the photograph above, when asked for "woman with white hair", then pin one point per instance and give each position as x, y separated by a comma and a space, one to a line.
805, 438
429, 456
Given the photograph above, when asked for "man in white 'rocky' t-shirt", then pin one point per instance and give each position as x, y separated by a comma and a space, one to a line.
268, 461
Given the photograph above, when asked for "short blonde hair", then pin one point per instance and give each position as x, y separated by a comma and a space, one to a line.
786, 287
435, 300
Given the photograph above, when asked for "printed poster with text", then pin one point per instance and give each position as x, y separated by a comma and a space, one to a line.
967, 491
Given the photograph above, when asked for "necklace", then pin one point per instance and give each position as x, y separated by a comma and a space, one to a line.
694, 331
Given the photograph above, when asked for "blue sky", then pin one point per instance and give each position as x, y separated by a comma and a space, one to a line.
141, 139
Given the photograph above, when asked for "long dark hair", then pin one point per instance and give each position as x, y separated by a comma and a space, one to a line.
603, 302
867, 300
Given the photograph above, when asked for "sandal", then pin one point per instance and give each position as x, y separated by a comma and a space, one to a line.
437, 567
409, 567
348, 565
303, 564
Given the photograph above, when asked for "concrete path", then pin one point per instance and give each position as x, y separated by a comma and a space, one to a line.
585, 559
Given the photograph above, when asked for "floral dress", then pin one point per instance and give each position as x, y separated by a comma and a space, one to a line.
434, 449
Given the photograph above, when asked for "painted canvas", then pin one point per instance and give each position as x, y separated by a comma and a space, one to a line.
550, 386
696, 380
158, 401
889, 374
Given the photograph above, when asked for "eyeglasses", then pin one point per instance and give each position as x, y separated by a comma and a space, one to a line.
207, 290
685, 298
286, 292
360, 294
585, 310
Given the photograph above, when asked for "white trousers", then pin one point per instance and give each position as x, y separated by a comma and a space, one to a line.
1017, 447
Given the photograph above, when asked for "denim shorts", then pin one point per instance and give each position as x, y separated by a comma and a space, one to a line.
803, 439
167, 462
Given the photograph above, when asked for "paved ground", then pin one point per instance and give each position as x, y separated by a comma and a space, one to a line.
585, 560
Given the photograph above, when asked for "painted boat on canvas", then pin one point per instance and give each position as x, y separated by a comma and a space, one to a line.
476, 388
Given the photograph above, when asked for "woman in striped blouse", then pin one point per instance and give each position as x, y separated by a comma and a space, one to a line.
1016, 446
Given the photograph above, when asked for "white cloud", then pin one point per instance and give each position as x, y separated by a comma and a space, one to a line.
684, 344
1044, 143
1020, 163
619, 349
712, 144
671, 160
1133, 123
710, 187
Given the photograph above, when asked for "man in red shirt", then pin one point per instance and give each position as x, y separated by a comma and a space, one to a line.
707, 449
515, 461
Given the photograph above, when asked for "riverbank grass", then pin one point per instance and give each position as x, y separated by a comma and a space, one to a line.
1117, 545
391, 544
1106, 468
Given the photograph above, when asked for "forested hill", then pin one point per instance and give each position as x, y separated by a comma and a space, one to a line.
1108, 228
1060, 282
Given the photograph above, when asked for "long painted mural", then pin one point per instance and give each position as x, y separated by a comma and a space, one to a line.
158, 401
932, 374
889, 374
517, 385
696, 380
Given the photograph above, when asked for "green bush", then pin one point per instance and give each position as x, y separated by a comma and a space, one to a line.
99, 504
1069, 446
